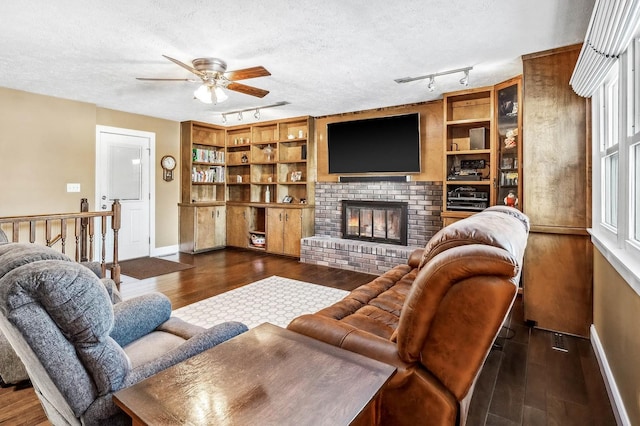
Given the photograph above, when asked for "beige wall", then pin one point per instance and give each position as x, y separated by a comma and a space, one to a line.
47, 142
616, 317
167, 143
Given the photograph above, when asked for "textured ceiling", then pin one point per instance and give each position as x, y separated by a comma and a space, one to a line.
325, 57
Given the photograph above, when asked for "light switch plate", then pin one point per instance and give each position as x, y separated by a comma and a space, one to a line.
73, 187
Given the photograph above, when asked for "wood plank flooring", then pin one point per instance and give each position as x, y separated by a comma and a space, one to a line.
524, 381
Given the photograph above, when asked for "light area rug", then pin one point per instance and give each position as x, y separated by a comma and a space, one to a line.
276, 300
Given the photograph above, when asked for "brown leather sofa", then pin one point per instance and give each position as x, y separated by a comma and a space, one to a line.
434, 318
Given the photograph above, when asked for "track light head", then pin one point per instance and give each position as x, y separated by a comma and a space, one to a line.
257, 114
224, 118
432, 84
465, 80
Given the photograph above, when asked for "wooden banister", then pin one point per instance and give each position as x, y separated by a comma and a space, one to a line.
83, 227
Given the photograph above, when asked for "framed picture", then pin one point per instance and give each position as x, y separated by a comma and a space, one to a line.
287, 199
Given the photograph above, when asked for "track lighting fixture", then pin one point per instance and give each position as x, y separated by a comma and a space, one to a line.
431, 86
256, 110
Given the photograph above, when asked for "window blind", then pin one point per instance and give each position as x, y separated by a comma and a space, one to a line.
611, 28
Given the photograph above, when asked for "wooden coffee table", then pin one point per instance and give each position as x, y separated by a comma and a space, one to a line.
266, 376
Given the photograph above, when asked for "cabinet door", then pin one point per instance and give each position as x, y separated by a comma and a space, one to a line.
292, 232
220, 233
205, 232
509, 146
275, 230
237, 228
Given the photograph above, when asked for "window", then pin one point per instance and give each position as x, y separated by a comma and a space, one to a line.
635, 196
616, 165
610, 191
609, 145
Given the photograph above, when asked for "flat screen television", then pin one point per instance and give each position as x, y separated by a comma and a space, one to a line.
375, 145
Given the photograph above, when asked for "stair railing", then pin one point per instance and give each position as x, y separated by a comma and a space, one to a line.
84, 230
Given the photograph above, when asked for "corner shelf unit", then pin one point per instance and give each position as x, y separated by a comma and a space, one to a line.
225, 174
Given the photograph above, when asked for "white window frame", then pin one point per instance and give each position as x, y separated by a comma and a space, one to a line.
617, 243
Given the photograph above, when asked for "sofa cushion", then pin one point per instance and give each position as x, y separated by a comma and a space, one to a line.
492, 226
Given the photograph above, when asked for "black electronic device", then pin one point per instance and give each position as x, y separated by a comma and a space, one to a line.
472, 164
375, 145
467, 198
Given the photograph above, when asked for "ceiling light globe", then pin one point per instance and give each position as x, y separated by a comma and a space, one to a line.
221, 96
203, 94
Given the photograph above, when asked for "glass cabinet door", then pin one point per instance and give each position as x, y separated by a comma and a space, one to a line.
509, 145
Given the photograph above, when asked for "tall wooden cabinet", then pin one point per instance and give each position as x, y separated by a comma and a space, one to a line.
558, 267
202, 176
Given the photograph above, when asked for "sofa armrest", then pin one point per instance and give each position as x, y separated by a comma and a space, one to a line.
134, 318
345, 336
415, 258
199, 343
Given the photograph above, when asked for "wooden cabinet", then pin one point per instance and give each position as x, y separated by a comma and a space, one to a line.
468, 152
202, 228
558, 267
254, 170
202, 177
285, 228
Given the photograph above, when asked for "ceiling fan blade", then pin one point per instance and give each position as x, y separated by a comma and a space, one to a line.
168, 79
247, 90
185, 66
246, 73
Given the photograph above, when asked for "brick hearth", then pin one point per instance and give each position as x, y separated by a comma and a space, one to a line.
328, 247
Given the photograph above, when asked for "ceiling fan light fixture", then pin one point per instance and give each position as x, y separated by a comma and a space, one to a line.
203, 94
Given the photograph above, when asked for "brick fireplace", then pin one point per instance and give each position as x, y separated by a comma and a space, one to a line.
329, 246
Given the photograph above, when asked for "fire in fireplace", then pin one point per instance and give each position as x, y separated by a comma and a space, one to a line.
378, 221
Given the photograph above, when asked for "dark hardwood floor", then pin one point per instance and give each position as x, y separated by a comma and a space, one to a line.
524, 381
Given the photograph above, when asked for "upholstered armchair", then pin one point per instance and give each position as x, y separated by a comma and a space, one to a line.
12, 371
79, 348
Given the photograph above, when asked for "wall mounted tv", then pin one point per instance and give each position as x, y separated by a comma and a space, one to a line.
375, 145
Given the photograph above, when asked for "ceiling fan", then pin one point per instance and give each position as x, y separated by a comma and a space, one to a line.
215, 77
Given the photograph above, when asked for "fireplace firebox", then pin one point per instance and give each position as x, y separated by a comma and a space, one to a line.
376, 221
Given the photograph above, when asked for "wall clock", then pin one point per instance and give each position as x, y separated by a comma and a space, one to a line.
168, 163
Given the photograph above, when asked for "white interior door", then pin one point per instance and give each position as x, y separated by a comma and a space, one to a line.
123, 172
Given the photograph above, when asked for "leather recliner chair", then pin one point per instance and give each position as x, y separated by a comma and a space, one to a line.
437, 330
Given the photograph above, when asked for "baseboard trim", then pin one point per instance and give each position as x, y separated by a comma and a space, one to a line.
617, 404
164, 251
